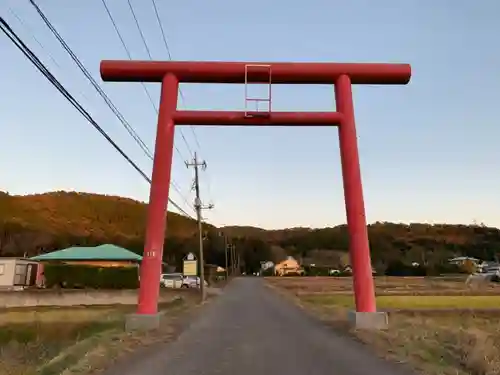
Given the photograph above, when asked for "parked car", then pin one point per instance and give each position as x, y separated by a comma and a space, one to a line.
178, 280
192, 282
172, 280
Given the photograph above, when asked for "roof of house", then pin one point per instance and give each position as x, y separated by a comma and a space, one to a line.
16, 258
461, 259
102, 252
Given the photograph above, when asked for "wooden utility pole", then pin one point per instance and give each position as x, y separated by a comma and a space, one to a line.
233, 259
239, 264
198, 207
226, 248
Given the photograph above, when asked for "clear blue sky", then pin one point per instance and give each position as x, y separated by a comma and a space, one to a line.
428, 150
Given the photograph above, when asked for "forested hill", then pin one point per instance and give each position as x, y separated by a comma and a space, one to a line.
44, 222
422, 243
40, 223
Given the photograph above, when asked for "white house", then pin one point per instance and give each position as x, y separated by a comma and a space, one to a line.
18, 273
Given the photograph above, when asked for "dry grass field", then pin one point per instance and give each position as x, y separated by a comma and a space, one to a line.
437, 325
75, 340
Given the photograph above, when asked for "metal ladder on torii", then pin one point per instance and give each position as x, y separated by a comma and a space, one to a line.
258, 70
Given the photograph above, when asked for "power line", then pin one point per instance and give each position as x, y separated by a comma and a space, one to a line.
122, 40
158, 19
17, 41
178, 190
167, 48
148, 51
87, 74
117, 30
115, 26
98, 88
33, 36
151, 58
7, 30
139, 28
157, 14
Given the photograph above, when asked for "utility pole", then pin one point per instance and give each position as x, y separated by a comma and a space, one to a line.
235, 262
226, 248
239, 264
233, 259
198, 207
225, 253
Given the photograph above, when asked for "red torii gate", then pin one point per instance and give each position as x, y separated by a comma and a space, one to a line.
341, 75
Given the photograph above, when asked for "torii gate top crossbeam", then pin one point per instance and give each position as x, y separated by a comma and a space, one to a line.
234, 72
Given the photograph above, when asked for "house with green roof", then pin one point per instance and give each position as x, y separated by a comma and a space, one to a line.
106, 255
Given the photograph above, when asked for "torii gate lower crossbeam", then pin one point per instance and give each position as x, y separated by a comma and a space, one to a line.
342, 76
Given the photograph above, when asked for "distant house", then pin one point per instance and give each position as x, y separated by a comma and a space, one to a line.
18, 273
489, 268
266, 265
461, 260
101, 256
288, 266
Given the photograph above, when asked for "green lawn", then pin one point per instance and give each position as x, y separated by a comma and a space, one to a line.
413, 302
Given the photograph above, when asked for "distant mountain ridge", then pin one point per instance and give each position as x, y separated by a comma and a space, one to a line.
43, 222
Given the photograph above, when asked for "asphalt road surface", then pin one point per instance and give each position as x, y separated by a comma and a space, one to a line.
251, 330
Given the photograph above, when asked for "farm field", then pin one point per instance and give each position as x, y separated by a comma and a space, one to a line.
79, 339
436, 325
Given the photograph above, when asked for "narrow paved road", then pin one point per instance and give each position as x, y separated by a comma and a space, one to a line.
250, 330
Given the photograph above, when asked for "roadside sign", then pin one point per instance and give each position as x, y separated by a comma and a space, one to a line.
190, 265
190, 268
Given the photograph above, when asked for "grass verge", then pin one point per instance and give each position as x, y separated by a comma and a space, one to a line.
396, 302
436, 335
76, 340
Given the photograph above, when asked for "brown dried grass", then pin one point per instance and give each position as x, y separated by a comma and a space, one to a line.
452, 285
46, 341
434, 342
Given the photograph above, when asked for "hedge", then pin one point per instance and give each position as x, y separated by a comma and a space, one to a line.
80, 276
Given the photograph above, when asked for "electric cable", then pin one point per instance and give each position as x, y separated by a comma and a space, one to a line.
151, 58
101, 92
165, 42
28, 53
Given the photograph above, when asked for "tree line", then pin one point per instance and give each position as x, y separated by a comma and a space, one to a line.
35, 224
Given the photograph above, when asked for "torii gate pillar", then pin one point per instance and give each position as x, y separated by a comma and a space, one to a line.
340, 75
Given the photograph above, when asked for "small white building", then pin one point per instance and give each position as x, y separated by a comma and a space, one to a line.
18, 273
266, 265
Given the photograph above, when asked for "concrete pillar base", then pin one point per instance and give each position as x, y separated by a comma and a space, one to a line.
369, 320
142, 322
